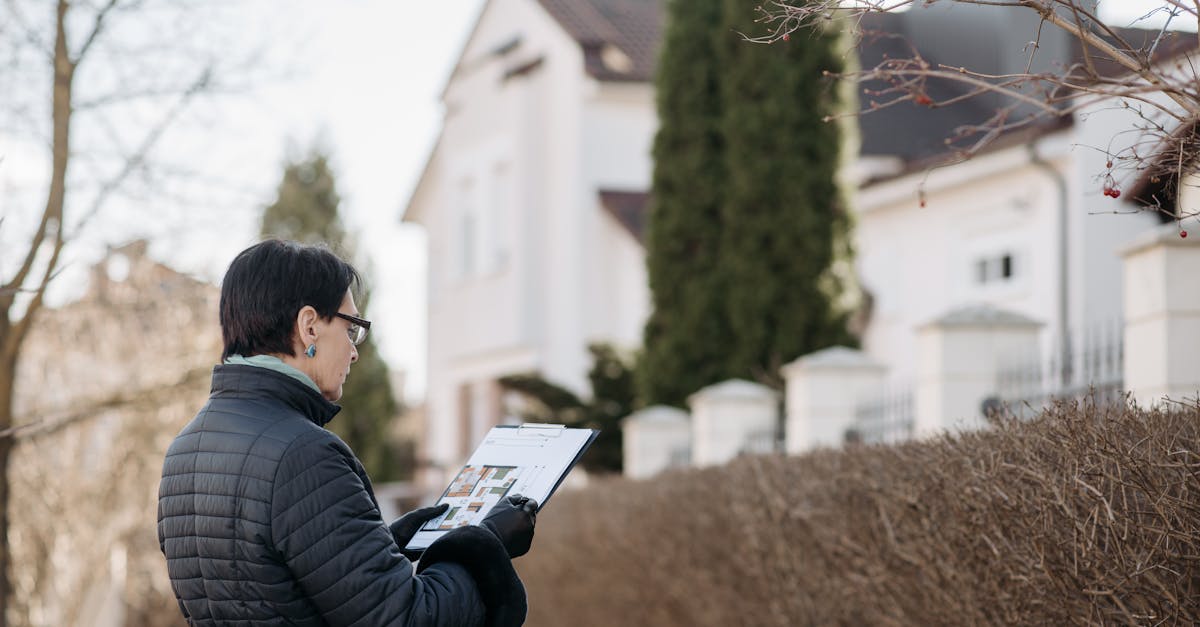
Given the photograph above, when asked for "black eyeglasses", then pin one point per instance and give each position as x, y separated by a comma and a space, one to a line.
358, 327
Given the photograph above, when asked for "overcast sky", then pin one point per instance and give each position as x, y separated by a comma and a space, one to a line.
373, 97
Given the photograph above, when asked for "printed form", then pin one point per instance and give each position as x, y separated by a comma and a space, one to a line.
530, 460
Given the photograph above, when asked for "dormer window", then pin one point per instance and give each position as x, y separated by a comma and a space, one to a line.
615, 59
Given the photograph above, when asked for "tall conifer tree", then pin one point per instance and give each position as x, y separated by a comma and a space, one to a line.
783, 218
687, 333
306, 210
746, 218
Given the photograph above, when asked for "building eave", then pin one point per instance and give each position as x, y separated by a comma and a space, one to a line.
410, 214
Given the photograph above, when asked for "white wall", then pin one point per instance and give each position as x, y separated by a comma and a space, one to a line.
997, 203
617, 310
919, 262
504, 153
552, 271
1100, 226
620, 122
619, 126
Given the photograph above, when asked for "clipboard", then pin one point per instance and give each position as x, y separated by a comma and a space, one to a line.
531, 459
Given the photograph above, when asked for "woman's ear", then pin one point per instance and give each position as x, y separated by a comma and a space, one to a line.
306, 325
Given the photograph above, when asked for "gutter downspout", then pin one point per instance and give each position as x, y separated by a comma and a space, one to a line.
1036, 160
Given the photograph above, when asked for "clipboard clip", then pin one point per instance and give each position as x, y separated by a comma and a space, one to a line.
540, 429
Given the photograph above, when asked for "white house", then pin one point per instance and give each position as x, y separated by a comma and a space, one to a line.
532, 202
1023, 227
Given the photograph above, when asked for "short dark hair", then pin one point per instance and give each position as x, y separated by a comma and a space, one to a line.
268, 284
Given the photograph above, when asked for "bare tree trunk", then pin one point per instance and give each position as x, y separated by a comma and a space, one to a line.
8, 362
7, 376
13, 332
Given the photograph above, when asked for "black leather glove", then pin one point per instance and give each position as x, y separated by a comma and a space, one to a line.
407, 526
512, 520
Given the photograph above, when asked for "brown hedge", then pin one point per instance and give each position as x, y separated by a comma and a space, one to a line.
1083, 516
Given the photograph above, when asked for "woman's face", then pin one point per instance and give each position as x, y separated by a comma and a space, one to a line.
335, 352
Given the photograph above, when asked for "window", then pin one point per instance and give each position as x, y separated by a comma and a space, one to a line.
484, 202
995, 269
479, 409
468, 230
501, 204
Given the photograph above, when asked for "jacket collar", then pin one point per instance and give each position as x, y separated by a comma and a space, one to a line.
235, 380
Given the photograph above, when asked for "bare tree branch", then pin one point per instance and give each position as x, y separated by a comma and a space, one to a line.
1090, 38
30, 290
84, 410
138, 158
21, 328
30, 34
38, 259
1156, 81
52, 214
94, 34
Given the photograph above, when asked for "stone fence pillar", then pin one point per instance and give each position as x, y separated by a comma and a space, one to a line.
1162, 315
822, 394
654, 439
728, 416
959, 357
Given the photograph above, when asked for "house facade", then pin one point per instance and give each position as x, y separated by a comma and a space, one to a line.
534, 203
1024, 228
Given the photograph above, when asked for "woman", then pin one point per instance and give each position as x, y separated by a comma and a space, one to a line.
267, 518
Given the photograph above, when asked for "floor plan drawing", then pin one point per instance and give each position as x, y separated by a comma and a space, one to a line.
530, 460
472, 494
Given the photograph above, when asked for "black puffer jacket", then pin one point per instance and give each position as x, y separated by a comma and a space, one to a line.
266, 518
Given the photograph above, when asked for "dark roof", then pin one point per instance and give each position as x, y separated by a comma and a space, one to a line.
955, 34
1008, 139
632, 26
906, 130
981, 39
628, 208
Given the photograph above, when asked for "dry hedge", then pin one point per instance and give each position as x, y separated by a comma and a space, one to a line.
1085, 515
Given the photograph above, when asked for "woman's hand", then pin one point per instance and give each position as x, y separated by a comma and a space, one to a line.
407, 526
512, 520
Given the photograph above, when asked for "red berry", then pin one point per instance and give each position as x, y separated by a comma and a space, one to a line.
1183, 234
786, 36
922, 99
1107, 191
1116, 193
1108, 164
922, 203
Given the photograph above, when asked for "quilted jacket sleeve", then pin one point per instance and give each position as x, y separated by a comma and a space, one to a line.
327, 530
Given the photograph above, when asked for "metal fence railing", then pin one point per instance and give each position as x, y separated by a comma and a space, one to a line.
1071, 367
885, 418
679, 457
762, 443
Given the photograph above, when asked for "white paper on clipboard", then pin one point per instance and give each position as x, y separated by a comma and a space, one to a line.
529, 459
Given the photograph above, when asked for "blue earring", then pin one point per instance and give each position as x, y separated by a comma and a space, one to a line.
311, 351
